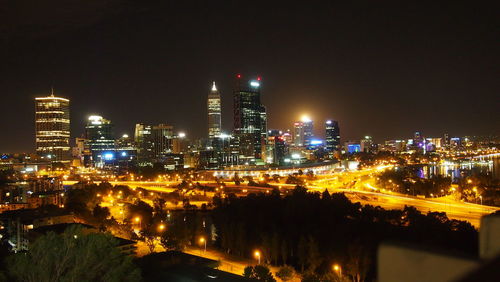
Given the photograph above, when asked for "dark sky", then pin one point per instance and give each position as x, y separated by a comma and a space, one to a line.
383, 69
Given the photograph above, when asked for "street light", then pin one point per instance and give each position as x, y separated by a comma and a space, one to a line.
257, 255
337, 269
161, 227
138, 221
203, 241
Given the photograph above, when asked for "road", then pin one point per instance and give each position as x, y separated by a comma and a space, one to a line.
228, 263
361, 191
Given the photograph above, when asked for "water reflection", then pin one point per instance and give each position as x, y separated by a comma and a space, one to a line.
485, 165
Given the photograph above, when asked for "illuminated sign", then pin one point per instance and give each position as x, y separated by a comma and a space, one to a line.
353, 148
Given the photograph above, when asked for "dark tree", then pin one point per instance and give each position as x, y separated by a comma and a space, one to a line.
73, 256
259, 272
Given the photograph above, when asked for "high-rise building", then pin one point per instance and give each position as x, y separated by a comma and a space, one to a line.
277, 147
52, 128
303, 132
153, 142
162, 140
214, 112
298, 134
224, 151
100, 139
308, 131
366, 144
144, 141
332, 135
249, 120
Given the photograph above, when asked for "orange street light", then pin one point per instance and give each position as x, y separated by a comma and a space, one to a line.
203, 241
337, 269
161, 227
257, 255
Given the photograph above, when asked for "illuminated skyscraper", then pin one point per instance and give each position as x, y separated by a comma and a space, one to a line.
308, 132
52, 128
144, 141
153, 141
162, 140
332, 134
298, 133
303, 132
249, 120
100, 139
214, 112
366, 144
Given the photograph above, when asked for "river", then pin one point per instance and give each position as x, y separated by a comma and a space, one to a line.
455, 170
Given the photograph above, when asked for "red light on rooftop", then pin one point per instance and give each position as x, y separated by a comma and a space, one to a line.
258, 78
238, 75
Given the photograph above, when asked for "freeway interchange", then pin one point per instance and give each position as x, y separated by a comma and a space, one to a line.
356, 185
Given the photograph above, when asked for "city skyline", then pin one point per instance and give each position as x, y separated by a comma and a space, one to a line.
249, 141
418, 85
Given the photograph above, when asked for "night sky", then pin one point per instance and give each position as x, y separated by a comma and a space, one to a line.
381, 69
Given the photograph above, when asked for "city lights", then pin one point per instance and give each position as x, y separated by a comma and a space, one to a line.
305, 118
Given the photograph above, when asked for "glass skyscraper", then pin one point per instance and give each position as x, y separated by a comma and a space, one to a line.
250, 124
332, 135
100, 139
52, 131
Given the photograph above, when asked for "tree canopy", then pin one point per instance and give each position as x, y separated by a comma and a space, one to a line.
73, 256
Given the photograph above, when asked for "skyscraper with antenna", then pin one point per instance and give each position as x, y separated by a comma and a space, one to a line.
214, 112
250, 120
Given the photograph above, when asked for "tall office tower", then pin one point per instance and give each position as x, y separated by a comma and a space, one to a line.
332, 135
303, 132
162, 140
308, 131
214, 112
249, 120
144, 141
298, 134
100, 139
366, 144
52, 128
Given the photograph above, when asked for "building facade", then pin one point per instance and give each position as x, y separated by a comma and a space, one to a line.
332, 136
214, 112
250, 125
100, 139
298, 134
308, 133
144, 141
163, 135
52, 128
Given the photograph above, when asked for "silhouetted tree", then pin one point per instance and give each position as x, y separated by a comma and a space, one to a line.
73, 256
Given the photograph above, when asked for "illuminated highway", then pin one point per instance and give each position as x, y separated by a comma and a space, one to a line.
357, 187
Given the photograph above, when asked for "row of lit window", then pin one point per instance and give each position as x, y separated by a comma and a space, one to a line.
61, 120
